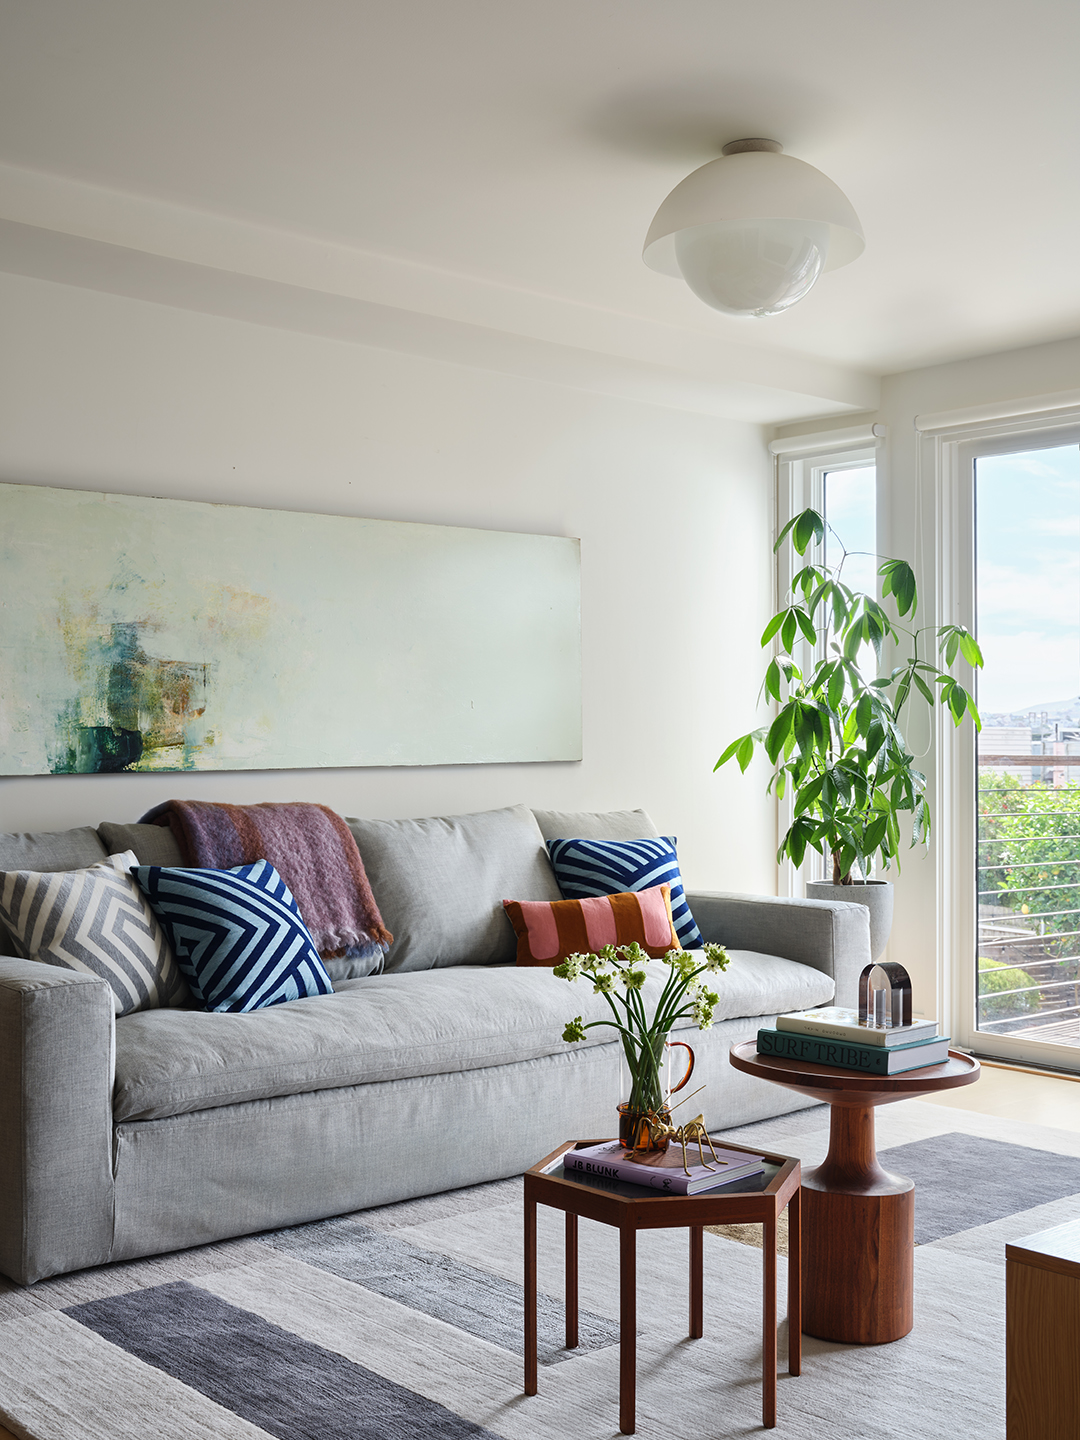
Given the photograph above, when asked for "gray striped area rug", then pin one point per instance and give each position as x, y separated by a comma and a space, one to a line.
406, 1322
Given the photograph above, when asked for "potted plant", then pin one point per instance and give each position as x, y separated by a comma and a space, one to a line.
618, 973
836, 743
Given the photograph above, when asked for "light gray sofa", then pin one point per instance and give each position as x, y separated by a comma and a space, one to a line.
172, 1128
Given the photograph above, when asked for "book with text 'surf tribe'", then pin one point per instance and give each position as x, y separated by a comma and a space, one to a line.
663, 1171
834, 1022
848, 1055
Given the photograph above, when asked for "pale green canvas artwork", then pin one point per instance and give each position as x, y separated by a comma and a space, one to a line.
143, 634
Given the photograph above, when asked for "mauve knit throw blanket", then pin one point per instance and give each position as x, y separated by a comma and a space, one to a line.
311, 848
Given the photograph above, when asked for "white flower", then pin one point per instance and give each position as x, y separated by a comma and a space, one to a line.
716, 957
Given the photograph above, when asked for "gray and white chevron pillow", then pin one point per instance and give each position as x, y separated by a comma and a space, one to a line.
98, 921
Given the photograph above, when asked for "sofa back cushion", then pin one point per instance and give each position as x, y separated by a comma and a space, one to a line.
440, 883
153, 844
47, 851
95, 920
596, 824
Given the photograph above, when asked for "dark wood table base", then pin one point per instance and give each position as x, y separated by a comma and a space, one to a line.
856, 1277
634, 1209
858, 1259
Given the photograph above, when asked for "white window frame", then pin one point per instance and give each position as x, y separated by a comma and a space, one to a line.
948, 447
801, 464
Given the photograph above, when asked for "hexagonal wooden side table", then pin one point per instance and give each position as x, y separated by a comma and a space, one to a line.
758, 1199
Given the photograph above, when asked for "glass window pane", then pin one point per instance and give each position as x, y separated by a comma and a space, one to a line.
1027, 534
851, 513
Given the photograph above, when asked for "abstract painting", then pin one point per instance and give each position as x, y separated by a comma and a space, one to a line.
141, 634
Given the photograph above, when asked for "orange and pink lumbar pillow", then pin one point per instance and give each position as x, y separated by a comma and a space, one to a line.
550, 930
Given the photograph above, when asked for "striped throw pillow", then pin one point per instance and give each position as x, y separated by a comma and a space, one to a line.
237, 934
95, 920
550, 930
604, 867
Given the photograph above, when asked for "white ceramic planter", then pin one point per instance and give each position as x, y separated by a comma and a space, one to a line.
876, 895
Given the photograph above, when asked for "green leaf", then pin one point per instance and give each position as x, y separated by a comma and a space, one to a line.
780, 538
875, 833
772, 627
779, 731
840, 605
787, 631
821, 593
898, 580
970, 650
745, 753
806, 579
958, 702
923, 688
806, 625
835, 691
802, 833
864, 714
848, 856
808, 526
808, 794
772, 680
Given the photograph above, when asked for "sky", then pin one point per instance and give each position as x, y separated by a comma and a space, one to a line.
1027, 509
1027, 521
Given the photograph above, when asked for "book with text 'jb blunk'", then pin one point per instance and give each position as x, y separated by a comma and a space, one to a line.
834, 1022
664, 1171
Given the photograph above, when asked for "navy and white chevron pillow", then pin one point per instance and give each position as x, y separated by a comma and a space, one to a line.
610, 867
237, 935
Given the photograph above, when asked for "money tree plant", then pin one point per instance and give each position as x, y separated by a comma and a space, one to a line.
837, 742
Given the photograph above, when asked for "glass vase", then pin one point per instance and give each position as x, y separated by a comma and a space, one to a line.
646, 1113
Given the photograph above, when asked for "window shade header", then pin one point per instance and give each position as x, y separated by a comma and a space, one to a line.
853, 438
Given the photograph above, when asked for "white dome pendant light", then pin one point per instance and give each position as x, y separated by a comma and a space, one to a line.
750, 233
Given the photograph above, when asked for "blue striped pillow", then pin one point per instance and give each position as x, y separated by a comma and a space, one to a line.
611, 867
237, 935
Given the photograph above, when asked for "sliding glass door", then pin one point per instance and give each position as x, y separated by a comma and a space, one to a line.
1027, 598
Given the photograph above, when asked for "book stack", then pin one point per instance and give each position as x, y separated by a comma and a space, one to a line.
833, 1036
612, 1161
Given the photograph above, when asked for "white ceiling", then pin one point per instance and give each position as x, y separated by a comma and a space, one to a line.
495, 164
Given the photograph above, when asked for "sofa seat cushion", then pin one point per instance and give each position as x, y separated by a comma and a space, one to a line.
390, 1027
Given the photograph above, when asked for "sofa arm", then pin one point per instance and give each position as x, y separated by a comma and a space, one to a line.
831, 935
56, 1077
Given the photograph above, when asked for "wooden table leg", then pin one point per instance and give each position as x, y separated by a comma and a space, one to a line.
530, 1295
697, 1284
570, 1247
858, 1255
768, 1324
627, 1327
794, 1284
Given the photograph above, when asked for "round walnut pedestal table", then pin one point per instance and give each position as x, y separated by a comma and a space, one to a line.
858, 1257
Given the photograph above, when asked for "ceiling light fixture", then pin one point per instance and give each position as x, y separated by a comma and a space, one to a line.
751, 232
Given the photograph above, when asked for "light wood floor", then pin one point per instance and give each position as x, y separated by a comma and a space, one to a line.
1015, 1094
1001, 1090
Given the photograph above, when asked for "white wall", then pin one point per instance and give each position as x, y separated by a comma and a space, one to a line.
99, 392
